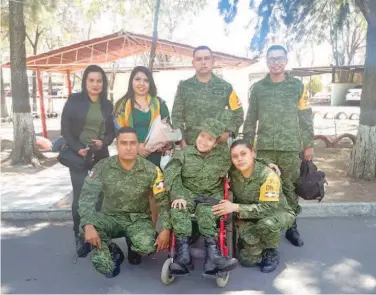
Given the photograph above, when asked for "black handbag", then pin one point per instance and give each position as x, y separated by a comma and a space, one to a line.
69, 158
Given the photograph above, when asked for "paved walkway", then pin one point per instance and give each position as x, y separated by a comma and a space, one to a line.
338, 257
35, 192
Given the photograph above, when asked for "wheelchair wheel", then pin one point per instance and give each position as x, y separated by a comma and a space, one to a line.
222, 281
166, 277
230, 236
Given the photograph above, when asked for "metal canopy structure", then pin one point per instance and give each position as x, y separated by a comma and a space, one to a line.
117, 46
312, 71
107, 49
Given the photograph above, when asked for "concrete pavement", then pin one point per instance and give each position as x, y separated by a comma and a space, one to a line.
338, 257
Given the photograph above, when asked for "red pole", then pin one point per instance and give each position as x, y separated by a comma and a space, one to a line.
42, 111
69, 83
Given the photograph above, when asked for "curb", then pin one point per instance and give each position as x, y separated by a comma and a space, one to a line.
308, 211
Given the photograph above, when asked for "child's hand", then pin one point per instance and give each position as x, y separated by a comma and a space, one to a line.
181, 203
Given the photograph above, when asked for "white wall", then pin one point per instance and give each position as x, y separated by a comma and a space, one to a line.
167, 83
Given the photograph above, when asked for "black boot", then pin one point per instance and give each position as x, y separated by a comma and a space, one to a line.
270, 260
182, 264
293, 236
117, 257
133, 257
82, 248
214, 261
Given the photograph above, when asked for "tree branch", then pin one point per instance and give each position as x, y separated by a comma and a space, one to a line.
28, 38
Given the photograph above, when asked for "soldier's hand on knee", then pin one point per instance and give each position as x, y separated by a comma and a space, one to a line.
275, 168
163, 240
225, 207
92, 236
179, 204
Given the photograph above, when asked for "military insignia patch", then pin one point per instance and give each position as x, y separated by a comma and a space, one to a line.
158, 186
91, 174
234, 101
304, 100
269, 191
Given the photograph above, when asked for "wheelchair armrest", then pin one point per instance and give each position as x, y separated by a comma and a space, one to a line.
206, 200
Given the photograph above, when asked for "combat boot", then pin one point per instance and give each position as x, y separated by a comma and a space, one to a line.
214, 261
117, 257
270, 260
133, 257
82, 248
293, 236
182, 264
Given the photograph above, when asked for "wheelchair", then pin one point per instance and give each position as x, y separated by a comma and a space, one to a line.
226, 241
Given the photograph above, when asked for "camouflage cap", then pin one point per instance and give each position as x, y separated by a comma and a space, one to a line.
213, 127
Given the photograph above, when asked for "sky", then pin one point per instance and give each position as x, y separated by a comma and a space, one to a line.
208, 28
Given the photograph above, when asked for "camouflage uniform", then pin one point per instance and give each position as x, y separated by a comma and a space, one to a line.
189, 174
264, 212
125, 209
195, 101
285, 127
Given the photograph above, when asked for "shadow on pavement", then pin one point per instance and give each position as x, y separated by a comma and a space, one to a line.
338, 257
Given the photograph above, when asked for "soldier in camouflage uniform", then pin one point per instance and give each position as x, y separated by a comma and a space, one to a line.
198, 171
126, 181
205, 96
261, 208
280, 104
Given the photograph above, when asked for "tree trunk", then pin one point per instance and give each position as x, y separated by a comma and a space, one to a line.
24, 148
112, 84
3, 106
364, 152
155, 36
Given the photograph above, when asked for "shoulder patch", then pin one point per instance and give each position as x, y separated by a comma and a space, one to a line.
234, 101
269, 191
158, 186
304, 100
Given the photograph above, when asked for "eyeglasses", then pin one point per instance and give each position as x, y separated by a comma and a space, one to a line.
274, 60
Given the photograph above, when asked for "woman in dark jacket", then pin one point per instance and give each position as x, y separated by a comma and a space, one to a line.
87, 127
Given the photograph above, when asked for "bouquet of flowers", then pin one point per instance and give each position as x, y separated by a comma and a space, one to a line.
161, 134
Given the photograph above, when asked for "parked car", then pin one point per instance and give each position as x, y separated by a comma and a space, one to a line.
354, 94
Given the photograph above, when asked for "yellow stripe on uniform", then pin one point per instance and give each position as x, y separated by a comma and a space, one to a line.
234, 101
304, 100
269, 191
158, 186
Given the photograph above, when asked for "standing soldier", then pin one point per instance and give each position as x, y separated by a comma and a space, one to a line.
280, 103
205, 96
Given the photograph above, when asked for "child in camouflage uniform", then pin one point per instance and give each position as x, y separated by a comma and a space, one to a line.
198, 171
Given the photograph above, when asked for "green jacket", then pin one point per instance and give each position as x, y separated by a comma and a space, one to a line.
125, 192
195, 101
260, 195
189, 173
285, 120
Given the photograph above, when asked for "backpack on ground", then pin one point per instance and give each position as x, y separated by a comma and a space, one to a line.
310, 185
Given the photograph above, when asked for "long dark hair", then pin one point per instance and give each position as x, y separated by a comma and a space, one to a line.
152, 87
242, 142
95, 69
